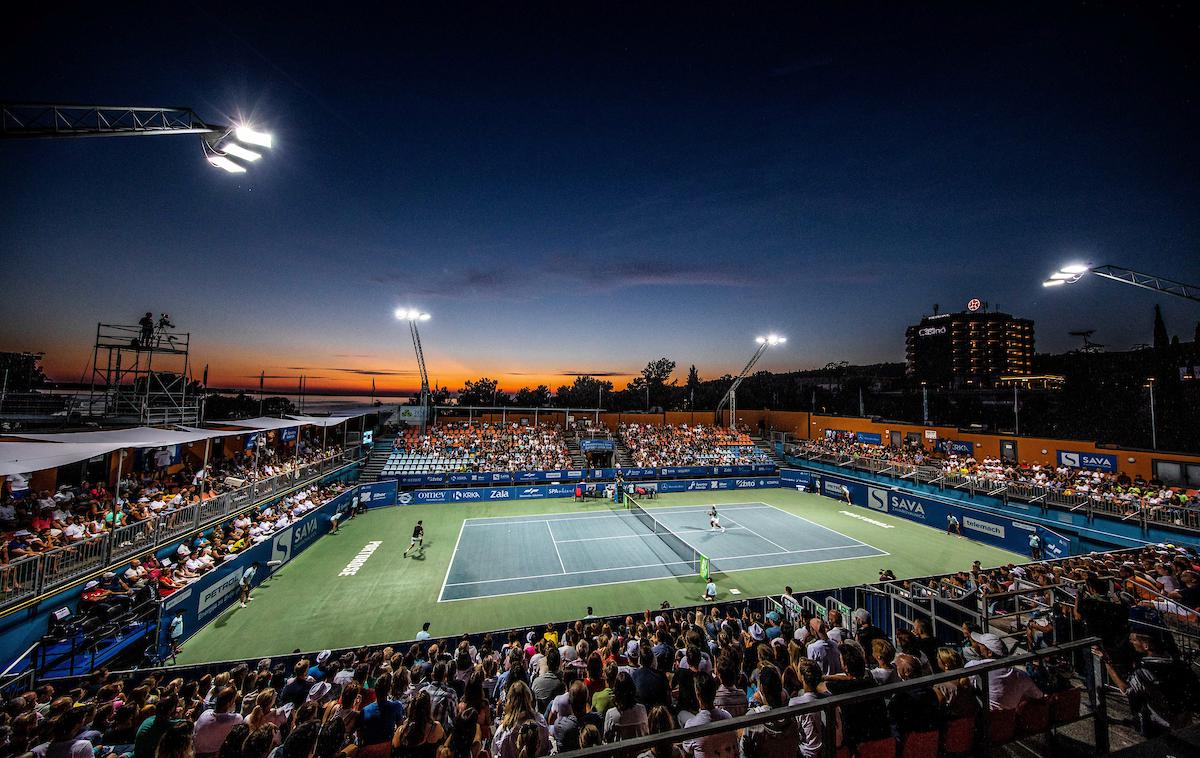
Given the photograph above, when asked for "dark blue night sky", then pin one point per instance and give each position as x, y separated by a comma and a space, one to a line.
580, 188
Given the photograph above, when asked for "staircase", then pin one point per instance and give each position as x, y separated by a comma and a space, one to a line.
577, 459
379, 456
622, 454
769, 449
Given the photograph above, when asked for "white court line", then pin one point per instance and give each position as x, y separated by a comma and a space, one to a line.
653, 565
880, 554
756, 534
555, 542
498, 520
635, 536
820, 526
450, 564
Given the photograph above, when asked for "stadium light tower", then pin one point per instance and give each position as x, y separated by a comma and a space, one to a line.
228, 147
413, 317
1074, 272
730, 399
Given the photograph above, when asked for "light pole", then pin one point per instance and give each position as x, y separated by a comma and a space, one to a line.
229, 147
1153, 430
1016, 413
1072, 273
730, 399
412, 316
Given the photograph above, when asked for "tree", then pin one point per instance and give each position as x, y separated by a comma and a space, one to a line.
22, 372
584, 392
654, 382
481, 392
1160, 329
532, 398
693, 384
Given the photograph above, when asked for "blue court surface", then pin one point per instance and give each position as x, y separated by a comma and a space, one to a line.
519, 554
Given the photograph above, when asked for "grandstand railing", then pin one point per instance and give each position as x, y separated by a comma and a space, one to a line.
1172, 515
829, 706
32, 576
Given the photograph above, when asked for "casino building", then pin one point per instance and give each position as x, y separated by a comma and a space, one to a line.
974, 348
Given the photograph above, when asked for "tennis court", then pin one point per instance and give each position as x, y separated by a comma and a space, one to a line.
534, 553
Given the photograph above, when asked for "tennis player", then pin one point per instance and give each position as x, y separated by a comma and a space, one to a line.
714, 520
418, 538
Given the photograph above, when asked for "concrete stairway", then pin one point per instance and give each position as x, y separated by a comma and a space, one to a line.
378, 458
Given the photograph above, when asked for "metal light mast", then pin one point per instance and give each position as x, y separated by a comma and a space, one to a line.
230, 148
412, 316
1073, 273
730, 398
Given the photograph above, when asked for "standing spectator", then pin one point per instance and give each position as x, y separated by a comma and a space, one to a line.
1163, 692
1035, 546
866, 632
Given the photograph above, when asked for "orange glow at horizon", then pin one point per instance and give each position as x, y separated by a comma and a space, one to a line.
238, 367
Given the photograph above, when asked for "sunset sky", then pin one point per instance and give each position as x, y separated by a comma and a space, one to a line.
585, 189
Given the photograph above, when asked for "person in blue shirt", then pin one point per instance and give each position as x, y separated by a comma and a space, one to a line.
379, 719
710, 591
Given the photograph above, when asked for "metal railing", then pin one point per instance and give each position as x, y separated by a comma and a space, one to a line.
31, 576
1171, 515
828, 708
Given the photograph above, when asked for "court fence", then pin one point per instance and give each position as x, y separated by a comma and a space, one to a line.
32, 576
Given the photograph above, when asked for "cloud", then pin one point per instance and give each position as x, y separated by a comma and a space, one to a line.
356, 371
597, 374
562, 271
352, 355
284, 376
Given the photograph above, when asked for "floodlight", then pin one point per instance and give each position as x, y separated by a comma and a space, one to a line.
1061, 275
252, 137
1074, 268
1054, 282
237, 151
220, 161
760, 340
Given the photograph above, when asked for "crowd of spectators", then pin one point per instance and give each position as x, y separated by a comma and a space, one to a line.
35, 522
150, 577
688, 445
1116, 490
481, 446
549, 690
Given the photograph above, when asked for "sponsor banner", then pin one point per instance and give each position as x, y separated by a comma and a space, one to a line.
592, 445
993, 529
1094, 461
877, 499
377, 494
956, 447
409, 480
791, 477
368, 437
868, 438
251, 439
288, 434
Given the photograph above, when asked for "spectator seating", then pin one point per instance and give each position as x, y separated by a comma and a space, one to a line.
478, 447
688, 445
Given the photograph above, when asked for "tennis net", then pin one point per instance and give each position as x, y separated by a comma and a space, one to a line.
689, 555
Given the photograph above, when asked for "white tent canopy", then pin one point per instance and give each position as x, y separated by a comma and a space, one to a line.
24, 457
325, 421
262, 423
141, 436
